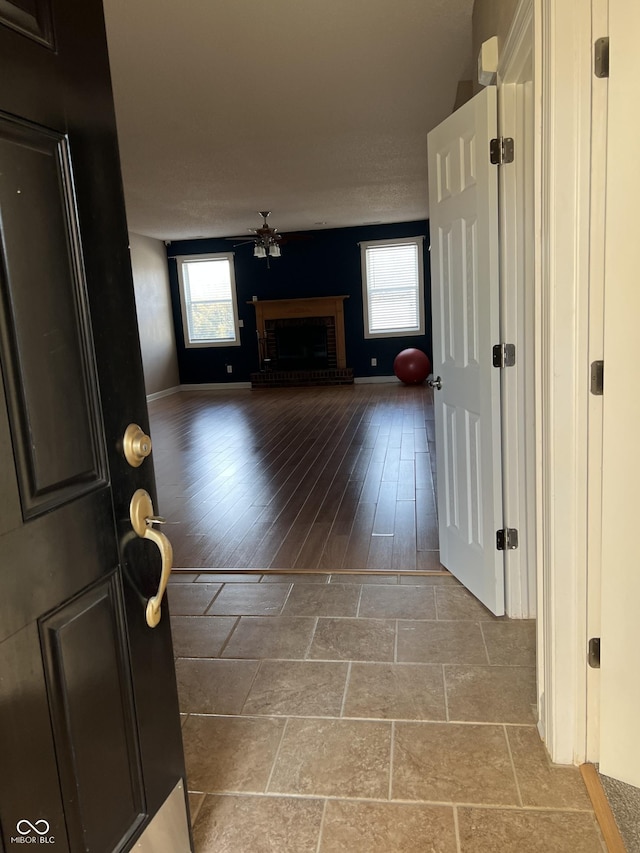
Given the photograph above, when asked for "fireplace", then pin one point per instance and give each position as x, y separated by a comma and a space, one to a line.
301, 342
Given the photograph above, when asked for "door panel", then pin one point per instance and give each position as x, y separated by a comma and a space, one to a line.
88, 701
33, 20
463, 211
26, 742
620, 625
49, 365
89, 695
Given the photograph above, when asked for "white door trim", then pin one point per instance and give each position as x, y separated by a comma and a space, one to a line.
563, 39
515, 119
620, 678
600, 89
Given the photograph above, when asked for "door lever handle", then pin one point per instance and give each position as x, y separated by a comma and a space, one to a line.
142, 521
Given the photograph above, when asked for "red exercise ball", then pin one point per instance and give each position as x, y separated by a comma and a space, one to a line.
411, 366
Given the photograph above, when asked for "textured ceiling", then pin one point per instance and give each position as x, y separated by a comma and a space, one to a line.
317, 111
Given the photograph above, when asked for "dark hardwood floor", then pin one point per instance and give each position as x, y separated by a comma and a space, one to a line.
323, 479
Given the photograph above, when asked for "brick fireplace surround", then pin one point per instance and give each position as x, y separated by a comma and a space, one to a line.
326, 311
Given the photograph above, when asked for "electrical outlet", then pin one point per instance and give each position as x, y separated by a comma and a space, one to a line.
374, 362
229, 368
241, 324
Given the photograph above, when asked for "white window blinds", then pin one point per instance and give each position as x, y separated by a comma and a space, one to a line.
208, 298
393, 283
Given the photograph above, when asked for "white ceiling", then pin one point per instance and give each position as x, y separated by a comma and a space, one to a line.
317, 111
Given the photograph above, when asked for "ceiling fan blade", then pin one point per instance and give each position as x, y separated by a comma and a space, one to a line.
295, 235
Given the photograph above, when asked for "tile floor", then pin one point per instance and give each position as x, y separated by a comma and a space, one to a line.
359, 713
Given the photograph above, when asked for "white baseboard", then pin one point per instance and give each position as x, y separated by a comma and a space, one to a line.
238, 386
374, 380
166, 393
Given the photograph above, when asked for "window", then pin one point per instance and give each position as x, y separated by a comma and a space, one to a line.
393, 287
208, 298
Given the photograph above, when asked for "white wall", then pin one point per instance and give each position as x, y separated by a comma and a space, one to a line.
491, 18
153, 306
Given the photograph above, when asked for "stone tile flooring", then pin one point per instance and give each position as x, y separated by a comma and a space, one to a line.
364, 713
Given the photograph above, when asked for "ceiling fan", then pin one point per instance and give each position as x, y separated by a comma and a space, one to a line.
266, 240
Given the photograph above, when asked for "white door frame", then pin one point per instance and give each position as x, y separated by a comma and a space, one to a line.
620, 591
579, 439
599, 90
563, 79
567, 335
516, 181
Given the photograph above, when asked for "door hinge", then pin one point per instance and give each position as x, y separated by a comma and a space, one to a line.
504, 355
597, 378
507, 539
593, 655
601, 57
501, 150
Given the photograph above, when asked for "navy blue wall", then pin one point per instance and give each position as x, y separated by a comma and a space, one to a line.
320, 263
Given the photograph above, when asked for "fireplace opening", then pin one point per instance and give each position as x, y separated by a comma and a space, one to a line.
301, 347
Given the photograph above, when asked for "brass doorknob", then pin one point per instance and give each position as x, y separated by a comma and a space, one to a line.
136, 445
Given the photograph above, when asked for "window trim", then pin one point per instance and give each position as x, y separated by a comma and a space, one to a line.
418, 241
188, 343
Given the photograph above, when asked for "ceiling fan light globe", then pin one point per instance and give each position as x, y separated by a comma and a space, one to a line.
259, 252
274, 250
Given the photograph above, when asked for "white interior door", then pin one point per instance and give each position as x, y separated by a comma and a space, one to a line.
620, 623
463, 211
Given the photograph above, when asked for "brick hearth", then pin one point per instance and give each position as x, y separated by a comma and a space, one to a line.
296, 378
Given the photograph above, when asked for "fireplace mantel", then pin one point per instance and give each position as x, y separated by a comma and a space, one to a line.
313, 306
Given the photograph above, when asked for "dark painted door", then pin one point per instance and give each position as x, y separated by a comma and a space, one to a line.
90, 743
